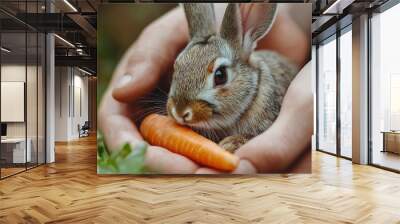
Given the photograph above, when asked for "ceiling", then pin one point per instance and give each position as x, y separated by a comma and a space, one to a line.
76, 22
72, 20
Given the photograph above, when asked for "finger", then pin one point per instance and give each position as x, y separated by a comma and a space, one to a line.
263, 153
118, 130
138, 79
245, 167
281, 144
303, 164
204, 170
151, 57
162, 161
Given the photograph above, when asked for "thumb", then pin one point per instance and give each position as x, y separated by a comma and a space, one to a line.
264, 153
281, 144
136, 78
153, 54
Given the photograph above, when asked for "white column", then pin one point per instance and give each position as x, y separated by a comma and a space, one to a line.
50, 93
360, 90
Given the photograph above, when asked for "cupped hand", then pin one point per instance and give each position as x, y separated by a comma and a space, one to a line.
141, 70
288, 139
146, 65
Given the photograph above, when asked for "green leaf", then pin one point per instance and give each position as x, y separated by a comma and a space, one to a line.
123, 161
125, 151
133, 162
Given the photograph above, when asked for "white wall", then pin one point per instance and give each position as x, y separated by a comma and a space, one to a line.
11, 73
33, 126
70, 84
16, 73
62, 81
13, 100
80, 89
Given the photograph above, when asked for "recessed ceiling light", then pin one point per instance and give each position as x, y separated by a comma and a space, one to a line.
337, 7
70, 5
5, 50
65, 41
84, 71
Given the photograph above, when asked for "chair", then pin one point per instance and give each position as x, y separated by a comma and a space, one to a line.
84, 130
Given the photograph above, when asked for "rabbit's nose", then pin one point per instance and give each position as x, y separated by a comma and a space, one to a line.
187, 115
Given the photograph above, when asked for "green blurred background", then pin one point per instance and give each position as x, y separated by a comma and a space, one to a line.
119, 25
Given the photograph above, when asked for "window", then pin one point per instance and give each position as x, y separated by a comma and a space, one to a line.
22, 77
385, 89
394, 101
327, 96
334, 106
346, 93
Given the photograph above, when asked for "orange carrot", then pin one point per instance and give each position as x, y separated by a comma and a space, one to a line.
165, 132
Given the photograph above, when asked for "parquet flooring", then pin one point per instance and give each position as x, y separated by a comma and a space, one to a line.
10, 171
70, 191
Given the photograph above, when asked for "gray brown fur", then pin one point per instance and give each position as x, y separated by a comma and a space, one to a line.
251, 101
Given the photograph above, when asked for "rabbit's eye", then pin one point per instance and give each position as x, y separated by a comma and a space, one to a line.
220, 76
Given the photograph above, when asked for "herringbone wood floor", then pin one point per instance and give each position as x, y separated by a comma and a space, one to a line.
70, 191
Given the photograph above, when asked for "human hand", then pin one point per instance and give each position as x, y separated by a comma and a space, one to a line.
141, 70
145, 66
288, 138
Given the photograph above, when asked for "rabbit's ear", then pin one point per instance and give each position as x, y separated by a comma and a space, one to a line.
201, 19
231, 28
243, 28
257, 21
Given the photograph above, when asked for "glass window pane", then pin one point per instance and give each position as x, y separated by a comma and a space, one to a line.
13, 86
385, 112
23, 86
327, 96
32, 87
32, 96
346, 94
41, 98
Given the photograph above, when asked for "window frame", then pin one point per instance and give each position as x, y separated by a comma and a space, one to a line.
335, 36
26, 28
378, 10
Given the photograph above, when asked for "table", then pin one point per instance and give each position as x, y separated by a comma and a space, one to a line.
13, 150
391, 141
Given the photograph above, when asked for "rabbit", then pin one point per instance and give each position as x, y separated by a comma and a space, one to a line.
220, 86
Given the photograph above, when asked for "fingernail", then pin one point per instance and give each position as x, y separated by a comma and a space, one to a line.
124, 80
